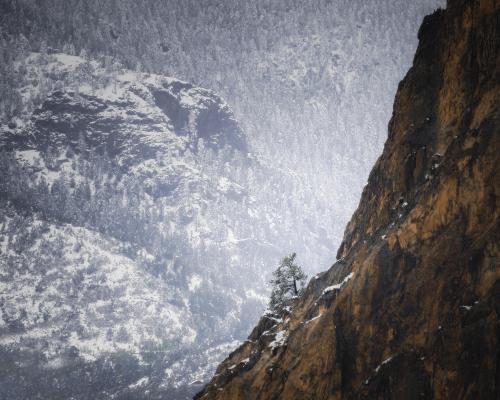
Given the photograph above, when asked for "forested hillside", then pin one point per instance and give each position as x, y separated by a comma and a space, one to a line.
311, 83
124, 217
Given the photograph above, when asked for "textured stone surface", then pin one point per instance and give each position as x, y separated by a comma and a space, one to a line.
419, 316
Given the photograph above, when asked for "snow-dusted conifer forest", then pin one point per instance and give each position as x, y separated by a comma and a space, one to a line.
158, 159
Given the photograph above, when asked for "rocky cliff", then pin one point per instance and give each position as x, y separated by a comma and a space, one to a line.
411, 308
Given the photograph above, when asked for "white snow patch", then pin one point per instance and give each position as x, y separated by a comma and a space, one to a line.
141, 382
313, 319
338, 286
230, 237
68, 60
383, 363
279, 340
28, 155
194, 283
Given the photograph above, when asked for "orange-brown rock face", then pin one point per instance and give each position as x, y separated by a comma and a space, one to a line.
411, 309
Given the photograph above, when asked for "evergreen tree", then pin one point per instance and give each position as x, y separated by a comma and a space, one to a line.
288, 282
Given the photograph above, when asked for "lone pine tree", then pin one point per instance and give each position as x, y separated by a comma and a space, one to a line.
288, 282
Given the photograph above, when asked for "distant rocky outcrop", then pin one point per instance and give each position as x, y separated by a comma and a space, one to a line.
411, 308
131, 118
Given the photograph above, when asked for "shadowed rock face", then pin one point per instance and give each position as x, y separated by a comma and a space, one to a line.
146, 117
411, 309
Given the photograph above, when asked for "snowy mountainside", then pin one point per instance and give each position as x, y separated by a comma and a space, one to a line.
125, 217
310, 83
69, 298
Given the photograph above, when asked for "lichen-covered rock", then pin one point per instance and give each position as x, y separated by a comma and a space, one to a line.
411, 310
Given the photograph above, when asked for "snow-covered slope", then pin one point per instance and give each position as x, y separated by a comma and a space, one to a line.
125, 219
